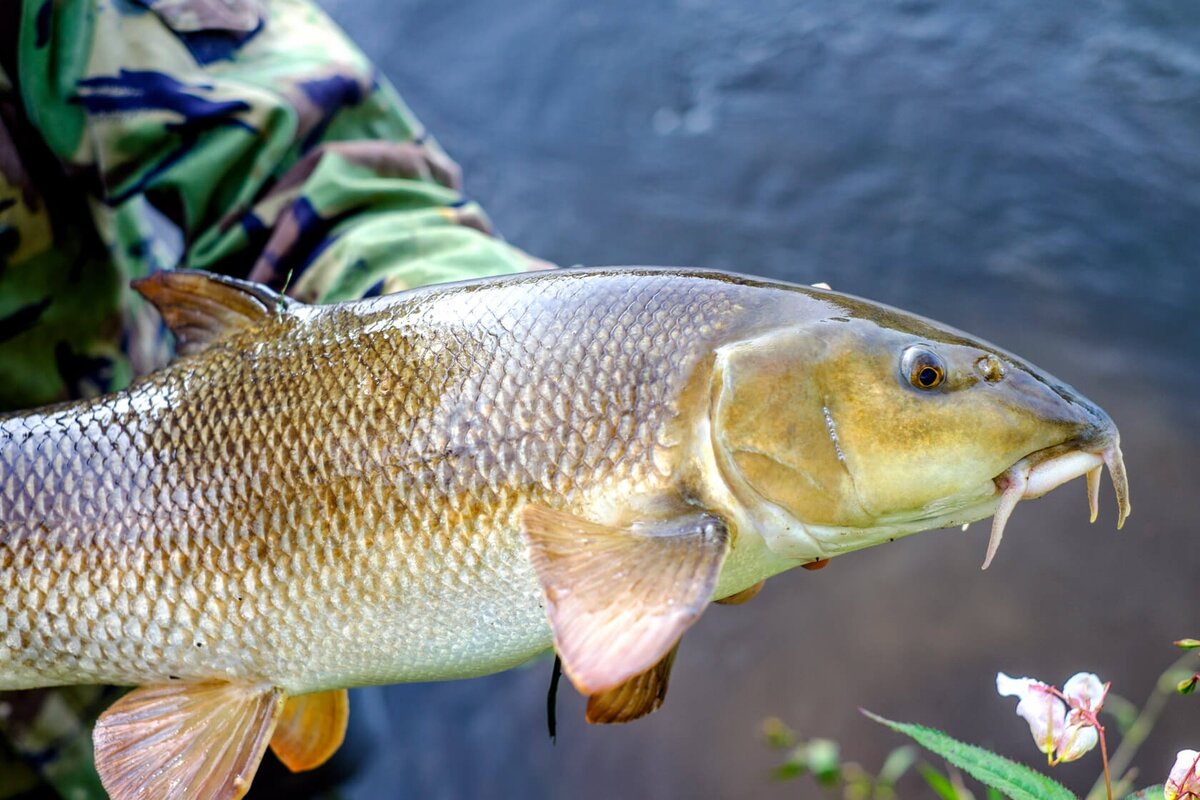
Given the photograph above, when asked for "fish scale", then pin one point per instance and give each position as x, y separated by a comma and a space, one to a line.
331, 498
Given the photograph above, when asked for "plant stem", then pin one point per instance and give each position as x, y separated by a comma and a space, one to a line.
1104, 760
1132, 741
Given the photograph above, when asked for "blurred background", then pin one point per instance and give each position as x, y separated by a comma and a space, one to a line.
1026, 170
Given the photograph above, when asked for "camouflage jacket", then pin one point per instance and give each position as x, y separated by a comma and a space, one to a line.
247, 137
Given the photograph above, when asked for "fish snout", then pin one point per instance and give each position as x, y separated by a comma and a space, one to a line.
1093, 442
1090, 444
1063, 414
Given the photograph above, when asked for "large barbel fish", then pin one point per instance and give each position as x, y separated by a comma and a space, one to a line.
444, 483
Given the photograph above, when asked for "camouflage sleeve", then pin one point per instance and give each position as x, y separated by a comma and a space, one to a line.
248, 137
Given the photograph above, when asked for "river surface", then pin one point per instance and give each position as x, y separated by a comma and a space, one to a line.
1027, 170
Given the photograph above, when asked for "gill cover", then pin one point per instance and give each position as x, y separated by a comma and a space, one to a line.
773, 430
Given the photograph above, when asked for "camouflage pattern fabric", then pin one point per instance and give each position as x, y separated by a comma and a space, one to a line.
247, 137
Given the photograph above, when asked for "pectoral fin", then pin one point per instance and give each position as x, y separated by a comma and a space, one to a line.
311, 729
185, 740
636, 697
618, 599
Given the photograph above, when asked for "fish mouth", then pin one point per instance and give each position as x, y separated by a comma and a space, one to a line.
1044, 470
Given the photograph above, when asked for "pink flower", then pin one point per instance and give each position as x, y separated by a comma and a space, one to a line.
1044, 712
1184, 781
1062, 734
1085, 692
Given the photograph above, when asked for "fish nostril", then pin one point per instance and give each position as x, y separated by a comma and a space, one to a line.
991, 369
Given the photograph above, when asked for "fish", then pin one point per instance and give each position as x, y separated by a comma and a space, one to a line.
450, 481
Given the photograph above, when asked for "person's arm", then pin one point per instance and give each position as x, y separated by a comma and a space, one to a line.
251, 139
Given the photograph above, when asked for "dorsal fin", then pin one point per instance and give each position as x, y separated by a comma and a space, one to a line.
201, 308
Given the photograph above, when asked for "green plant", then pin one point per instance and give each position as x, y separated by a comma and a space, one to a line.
1065, 725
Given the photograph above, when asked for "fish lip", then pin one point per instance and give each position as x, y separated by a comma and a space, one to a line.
1047, 469
1044, 470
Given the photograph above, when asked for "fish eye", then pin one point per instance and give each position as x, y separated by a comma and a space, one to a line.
924, 368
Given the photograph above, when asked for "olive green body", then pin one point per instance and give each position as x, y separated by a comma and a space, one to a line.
332, 498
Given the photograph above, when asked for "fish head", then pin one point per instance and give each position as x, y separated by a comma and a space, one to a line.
872, 423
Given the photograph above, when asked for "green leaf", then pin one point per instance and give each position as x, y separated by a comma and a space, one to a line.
778, 734
993, 794
787, 771
795, 766
823, 761
896, 764
1188, 644
858, 784
940, 784
1013, 779
1149, 793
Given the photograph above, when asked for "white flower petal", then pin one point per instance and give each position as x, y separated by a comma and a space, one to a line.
1076, 740
1185, 775
1014, 687
1044, 712
1085, 691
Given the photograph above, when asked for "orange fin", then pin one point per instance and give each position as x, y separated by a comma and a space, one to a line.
618, 599
185, 740
311, 729
744, 596
201, 308
636, 697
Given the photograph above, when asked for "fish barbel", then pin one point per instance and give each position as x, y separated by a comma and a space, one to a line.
446, 482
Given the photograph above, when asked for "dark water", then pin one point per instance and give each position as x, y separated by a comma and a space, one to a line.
1028, 171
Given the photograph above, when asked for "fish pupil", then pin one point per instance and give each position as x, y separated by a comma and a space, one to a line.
922, 368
